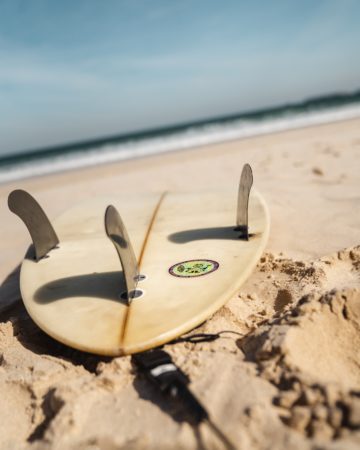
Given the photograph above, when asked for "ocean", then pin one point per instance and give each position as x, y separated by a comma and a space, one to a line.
179, 137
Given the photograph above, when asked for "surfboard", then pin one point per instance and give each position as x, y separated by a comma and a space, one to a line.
190, 257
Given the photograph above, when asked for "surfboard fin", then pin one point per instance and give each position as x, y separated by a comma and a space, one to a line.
116, 232
242, 219
36, 221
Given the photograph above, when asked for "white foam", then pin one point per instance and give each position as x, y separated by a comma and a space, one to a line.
192, 137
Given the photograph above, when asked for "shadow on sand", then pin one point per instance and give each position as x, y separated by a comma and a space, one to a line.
10, 290
148, 392
29, 335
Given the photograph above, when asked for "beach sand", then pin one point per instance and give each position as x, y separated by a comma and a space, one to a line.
288, 373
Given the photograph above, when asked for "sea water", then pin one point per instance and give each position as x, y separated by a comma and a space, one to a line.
178, 137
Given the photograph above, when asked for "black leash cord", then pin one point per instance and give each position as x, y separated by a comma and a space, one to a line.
204, 337
198, 337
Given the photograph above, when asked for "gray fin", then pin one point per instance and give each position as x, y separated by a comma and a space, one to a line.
242, 219
116, 231
36, 221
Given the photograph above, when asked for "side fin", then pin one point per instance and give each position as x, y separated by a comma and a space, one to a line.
36, 221
242, 219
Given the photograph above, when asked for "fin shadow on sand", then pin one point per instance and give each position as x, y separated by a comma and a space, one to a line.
10, 289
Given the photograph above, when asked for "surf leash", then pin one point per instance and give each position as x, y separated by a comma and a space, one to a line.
159, 368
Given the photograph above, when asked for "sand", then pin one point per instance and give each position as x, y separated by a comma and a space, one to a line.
284, 372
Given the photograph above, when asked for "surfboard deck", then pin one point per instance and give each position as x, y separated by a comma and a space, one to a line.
187, 248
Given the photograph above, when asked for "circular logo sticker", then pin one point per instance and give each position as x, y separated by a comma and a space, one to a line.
193, 268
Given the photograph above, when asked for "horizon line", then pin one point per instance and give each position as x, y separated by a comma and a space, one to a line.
342, 96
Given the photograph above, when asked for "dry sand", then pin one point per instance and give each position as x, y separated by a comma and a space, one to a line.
286, 374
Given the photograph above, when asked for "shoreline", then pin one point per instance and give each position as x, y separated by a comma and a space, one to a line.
119, 157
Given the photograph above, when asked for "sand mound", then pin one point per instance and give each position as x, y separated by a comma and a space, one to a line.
312, 355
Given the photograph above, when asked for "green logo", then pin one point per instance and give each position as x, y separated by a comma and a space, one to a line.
193, 268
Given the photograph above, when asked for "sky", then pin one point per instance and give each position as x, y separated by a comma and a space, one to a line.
76, 70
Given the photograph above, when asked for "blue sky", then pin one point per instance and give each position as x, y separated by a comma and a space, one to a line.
73, 70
